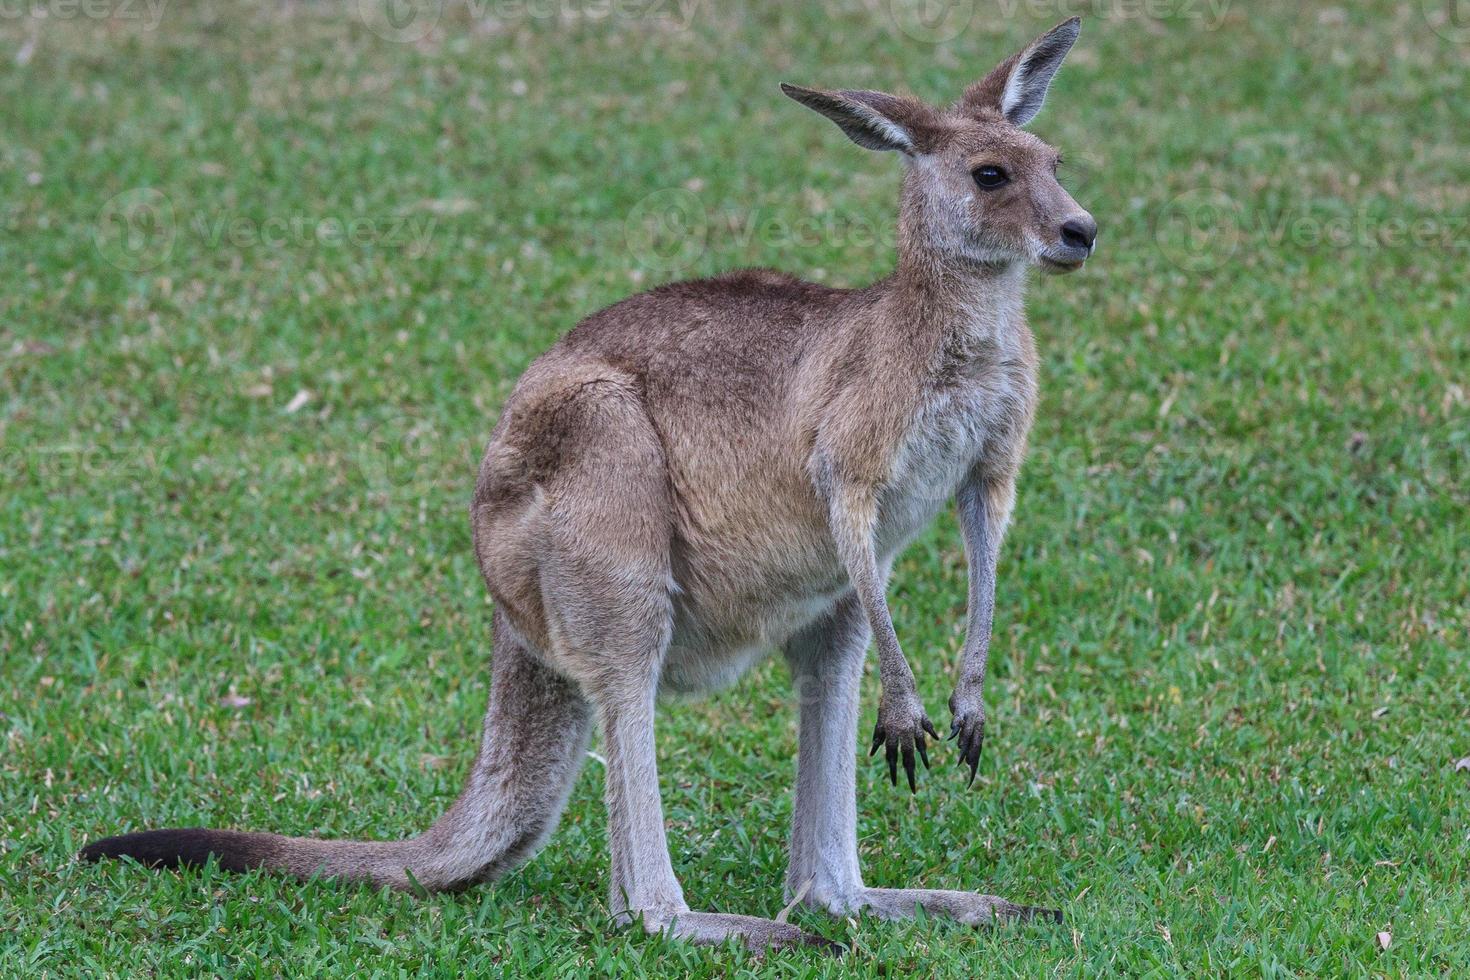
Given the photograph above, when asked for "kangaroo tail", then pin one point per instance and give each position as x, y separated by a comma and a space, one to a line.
532, 747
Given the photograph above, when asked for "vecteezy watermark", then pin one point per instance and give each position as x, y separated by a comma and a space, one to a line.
938, 21
1199, 230
678, 14
1209, 14
412, 20
137, 230
75, 464
930, 21
399, 453
397, 456
1450, 19
1203, 228
147, 13
220, 228
404, 21
669, 230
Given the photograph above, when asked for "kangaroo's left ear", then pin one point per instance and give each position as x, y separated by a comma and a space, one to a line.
1017, 88
874, 120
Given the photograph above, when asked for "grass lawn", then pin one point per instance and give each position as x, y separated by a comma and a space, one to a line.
267, 271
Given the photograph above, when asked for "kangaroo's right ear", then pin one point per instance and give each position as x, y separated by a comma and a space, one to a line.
1018, 86
875, 120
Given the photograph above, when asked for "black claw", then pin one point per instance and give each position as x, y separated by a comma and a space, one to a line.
971, 740
893, 762
928, 726
877, 740
954, 730
908, 768
923, 753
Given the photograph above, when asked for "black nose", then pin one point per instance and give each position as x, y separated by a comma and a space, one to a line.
1079, 232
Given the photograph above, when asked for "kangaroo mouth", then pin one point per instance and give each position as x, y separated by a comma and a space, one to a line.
1060, 266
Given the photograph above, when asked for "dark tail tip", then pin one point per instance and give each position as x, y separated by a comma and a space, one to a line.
1032, 913
186, 847
830, 947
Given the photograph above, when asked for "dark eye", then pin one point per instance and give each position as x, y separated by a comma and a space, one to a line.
989, 178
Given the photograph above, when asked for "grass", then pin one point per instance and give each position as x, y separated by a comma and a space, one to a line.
1229, 683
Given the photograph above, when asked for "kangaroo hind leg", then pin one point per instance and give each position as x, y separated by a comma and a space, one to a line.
607, 592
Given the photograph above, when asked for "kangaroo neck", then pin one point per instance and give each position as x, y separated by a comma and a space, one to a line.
942, 295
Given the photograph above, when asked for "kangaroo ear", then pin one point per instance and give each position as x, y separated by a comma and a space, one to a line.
874, 120
1017, 87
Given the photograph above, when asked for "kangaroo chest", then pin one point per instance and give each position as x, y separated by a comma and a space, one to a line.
974, 417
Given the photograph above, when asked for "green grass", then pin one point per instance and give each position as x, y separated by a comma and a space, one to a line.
1229, 682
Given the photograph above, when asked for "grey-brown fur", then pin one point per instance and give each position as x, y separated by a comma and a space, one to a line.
712, 470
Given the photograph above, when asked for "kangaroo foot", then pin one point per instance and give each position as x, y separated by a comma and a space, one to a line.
970, 908
757, 934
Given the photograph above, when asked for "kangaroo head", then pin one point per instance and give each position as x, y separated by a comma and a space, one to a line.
978, 187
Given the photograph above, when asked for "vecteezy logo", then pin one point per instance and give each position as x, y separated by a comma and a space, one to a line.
930, 21
667, 230
397, 454
404, 21
1199, 230
1450, 19
135, 230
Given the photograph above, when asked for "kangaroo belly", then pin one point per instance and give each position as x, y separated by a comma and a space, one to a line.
739, 601
701, 659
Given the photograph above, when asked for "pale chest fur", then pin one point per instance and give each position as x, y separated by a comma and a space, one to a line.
973, 416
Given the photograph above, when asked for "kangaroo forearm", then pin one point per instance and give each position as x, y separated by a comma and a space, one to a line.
980, 615
854, 517
976, 655
983, 528
893, 668
902, 725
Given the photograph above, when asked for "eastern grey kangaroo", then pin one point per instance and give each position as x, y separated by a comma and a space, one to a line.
712, 470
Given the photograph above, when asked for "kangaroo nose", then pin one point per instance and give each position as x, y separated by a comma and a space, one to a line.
1079, 232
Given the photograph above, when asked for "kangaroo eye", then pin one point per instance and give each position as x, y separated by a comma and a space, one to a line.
989, 178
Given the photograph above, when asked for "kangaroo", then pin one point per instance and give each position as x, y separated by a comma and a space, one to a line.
712, 470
